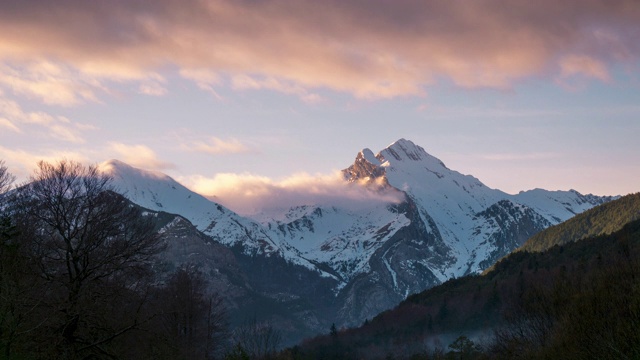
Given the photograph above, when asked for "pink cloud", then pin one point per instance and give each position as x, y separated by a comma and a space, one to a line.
246, 82
12, 116
370, 49
8, 124
576, 65
138, 155
217, 146
152, 89
247, 194
205, 79
49, 82
21, 163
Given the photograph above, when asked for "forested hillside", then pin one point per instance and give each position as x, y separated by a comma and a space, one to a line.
604, 219
78, 276
578, 300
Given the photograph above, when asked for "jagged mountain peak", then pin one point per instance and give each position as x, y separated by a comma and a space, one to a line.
367, 155
401, 154
449, 224
366, 167
408, 167
406, 151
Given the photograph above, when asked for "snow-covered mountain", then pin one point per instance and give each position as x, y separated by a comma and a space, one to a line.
159, 192
448, 225
461, 211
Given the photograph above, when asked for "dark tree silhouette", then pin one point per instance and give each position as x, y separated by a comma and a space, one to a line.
191, 321
93, 249
6, 179
259, 340
13, 290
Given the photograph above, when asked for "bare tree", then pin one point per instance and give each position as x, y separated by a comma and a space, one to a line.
193, 320
6, 178
259, 340
11, 263
93, 248
21, 290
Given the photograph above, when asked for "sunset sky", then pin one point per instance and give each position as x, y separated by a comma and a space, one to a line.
236, 95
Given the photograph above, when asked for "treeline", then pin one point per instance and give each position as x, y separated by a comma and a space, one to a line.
604, 219
78, 279
590, 310
580, 300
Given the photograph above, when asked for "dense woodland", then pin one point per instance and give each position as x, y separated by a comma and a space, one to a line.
77, 278
77, 281
579, 300
604, 219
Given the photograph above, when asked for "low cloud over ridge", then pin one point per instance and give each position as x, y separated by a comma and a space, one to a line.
249, 194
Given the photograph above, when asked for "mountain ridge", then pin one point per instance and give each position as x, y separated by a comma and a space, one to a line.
600, 220
554, 282
448, 225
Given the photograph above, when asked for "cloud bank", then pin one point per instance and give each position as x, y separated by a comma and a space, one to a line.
248, 194
140, 156
369, 49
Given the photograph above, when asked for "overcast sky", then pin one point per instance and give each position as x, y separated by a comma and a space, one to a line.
233, 95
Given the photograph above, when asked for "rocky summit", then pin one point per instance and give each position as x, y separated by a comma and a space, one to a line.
318, 264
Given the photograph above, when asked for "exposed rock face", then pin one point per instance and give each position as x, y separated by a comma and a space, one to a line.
366, 166
188, 246
402, 266
508, 226
293, 298
324, 264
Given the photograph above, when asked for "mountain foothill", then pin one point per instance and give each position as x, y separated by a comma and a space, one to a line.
451, 268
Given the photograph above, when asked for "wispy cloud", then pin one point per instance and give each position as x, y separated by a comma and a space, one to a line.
584, 65
246, 82
217, 146
51, 83
205, 79
152, 89
12, 116
246, 193
22, 163
370, 49
8, 124
138, 155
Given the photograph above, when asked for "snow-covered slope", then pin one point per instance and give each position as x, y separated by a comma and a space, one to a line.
342, 239
159, 192
458, 204
449, 224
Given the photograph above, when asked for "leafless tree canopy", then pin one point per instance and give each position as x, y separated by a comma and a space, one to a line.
6, 179
86, 231
77, 279
91, 251
258, 340
192, 320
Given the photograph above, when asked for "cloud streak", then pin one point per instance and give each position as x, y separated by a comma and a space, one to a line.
51, 83
217, 146
13, 117
248, 194
370, 49
140, 156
